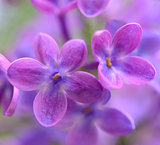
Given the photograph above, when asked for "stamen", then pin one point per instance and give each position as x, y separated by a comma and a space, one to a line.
108, 61
56, 76
87, 110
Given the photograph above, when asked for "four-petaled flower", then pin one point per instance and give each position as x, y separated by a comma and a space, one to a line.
91, 116
114, 65
53, 73
89, 8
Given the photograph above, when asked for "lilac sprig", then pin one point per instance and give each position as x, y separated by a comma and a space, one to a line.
54, 74
114, 65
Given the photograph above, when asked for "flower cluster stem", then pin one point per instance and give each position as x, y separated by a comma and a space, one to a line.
64, 29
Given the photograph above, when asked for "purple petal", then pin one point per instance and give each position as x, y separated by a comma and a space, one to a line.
73, 54
46, 49
136, 70
108, 77
91, 65
92, 8
83, 87
115, 122
83, 133
126, 39
50, 105
27, 74
55, 6
73, 110
101, 45
10, 100
44, 5
4, 63
105, 97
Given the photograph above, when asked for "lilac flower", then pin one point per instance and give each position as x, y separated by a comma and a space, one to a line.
149, 49
54, 74
8, 93
131, 97
54, 6
110, 120
114, 65
89, 8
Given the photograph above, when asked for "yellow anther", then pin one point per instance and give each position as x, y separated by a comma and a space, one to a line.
56, 76
108, 61
87, 110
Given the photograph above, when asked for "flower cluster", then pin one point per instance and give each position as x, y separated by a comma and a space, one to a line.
74, 88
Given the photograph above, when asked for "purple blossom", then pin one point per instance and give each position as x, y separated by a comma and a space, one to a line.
89, 8
8, 93
90, 117
114, 65
149, 49
53, 73
54, 6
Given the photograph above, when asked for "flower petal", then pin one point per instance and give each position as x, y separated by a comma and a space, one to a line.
108, 77
92, 8
10, 100
44, 5
101, 45
83, 87
126, 39
83, 133
105, 97
50, 105
136, 70
73, 110
46, 49
91, 65
115, 122
4, 63
27, 74
73, 54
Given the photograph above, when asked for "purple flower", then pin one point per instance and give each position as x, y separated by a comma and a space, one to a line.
8, 93
54, 74
89, 8
54, 6
92, 8
110, 120
114, 65
149, 49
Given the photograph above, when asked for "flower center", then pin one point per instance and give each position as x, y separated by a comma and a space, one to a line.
56, 76
108, 61
88, 110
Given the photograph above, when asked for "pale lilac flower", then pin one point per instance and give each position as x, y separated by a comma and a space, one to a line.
149, 49
114, 65
130, 97
89, 8
54, 6
8, 93
54, 74
89, 117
